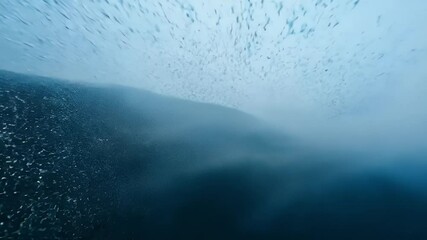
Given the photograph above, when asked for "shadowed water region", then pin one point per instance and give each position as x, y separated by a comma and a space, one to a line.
92, 161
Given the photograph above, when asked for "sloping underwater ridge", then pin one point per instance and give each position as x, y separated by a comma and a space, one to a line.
90, 161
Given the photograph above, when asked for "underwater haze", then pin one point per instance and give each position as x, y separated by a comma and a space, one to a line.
190, 119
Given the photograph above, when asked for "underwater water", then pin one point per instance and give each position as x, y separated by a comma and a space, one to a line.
185, 119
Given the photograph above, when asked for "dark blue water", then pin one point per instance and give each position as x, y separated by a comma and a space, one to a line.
85, 161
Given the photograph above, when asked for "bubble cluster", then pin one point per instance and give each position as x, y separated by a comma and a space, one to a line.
326, 53
53, 185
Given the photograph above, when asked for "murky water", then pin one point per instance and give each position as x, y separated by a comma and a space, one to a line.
338, 87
